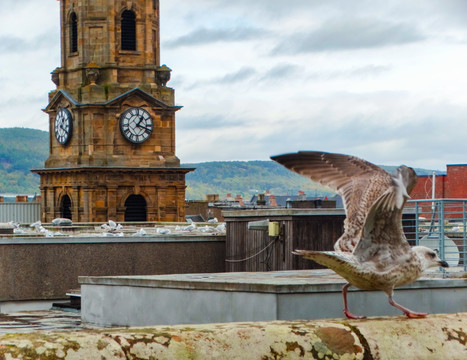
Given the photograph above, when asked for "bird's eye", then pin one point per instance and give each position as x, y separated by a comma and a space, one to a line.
433, 255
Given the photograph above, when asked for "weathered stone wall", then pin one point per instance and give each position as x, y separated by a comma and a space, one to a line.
96, 139
99, 41
99, 194
435, 337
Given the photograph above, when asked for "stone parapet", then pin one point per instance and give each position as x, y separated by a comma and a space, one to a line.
40, 269
435, 337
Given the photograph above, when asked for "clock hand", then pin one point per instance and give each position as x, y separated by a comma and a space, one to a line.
144, 127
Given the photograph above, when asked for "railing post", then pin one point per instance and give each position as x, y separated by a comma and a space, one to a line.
417, 235
464, 240
441, 227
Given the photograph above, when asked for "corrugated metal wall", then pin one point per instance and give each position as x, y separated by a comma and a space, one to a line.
20, 212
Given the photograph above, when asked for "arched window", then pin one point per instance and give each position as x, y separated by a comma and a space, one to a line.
65, 207
128, 30
135, 208
73, 32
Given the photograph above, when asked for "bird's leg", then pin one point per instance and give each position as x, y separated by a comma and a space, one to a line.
346, 308
409, 313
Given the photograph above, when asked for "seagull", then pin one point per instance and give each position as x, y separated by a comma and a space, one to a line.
162, 231
373, 252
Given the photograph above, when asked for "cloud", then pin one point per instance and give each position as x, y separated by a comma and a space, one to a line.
349, 34
203, 35
285, 72
282, 71
366, 71
14, 3
247, 73
385, 128
243, 74
13, 44
422, 136
209, 123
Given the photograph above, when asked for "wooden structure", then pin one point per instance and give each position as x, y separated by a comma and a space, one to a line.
298, 229
111, 119
310, 229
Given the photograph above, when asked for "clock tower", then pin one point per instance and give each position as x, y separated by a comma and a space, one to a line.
111, 119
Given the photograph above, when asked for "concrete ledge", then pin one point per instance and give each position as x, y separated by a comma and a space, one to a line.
64, 240
435, 337
233, 297
291, 281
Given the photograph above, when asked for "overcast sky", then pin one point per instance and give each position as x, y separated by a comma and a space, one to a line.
383, 80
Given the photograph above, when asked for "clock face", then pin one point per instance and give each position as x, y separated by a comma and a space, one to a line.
63, 126
136, 125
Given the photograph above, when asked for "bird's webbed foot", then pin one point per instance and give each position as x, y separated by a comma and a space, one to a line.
409, 313
414, 314
349, 315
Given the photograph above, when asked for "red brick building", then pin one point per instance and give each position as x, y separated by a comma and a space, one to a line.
452, 185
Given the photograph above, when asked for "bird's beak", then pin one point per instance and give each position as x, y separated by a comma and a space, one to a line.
443, 263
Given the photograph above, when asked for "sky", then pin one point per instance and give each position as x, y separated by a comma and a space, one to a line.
384, 80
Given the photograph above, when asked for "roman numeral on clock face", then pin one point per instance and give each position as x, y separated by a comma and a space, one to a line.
63, 126
136, 125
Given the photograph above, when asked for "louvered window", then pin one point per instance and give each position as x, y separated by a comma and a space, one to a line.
128, 30
73, 32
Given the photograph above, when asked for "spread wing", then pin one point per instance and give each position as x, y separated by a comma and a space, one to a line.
359, 182
383, 239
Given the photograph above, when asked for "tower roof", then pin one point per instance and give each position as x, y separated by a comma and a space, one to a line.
133, 92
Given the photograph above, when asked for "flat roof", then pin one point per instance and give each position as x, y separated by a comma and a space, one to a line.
291, 281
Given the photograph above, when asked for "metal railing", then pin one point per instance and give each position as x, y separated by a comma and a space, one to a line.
440, 224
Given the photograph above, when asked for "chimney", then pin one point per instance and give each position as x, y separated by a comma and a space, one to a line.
212, 197
261, 200
21, 198
272, 201
239, 199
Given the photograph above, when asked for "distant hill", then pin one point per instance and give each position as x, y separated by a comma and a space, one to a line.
23, 149
248, 178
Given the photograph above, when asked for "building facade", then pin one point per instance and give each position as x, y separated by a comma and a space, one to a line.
111, 119
451, 185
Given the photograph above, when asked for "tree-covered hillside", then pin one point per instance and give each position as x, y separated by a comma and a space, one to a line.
24, 149
246, 178
21, 150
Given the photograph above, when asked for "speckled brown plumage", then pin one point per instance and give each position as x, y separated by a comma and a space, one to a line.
373, 253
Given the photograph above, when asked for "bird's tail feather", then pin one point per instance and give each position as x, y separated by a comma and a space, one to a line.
331, 259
